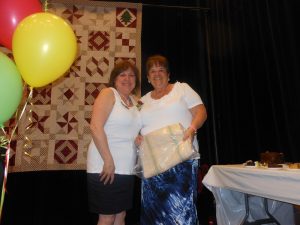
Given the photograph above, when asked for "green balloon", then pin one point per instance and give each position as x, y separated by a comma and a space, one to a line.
11, 88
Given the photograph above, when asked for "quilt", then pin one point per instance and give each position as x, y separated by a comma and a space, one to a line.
53, 133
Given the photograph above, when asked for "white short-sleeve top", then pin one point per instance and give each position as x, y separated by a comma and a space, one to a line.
171, 108
121, 128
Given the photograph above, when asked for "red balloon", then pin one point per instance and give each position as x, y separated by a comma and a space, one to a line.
11, 13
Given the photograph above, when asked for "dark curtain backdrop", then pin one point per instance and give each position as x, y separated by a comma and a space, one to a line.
178, 32
241, 56
255, 72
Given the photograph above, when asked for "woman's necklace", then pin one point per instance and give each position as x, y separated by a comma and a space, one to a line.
126, 101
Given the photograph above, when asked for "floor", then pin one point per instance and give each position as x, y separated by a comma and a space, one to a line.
206, 211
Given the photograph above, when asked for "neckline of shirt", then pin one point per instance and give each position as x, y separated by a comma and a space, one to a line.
165, 96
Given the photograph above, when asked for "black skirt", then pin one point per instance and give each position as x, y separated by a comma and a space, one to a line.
110, 198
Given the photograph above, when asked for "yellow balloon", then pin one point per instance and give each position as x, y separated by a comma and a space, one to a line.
44, 47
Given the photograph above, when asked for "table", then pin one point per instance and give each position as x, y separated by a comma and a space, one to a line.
230, 183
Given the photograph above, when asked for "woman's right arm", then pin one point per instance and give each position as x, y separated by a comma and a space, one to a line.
101, 110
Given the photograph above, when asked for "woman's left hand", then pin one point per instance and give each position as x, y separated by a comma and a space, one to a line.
189, 133
138, 140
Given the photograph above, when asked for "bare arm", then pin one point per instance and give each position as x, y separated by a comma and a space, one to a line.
101, 110
199, 117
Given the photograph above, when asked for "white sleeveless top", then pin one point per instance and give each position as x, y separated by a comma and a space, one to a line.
121, 128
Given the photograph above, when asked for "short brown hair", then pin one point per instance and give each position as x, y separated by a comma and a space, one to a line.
120, 68
157, 60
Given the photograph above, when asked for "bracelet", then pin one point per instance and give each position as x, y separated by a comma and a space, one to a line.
193, 128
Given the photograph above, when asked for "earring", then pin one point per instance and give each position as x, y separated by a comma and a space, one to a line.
168, 78
149, 81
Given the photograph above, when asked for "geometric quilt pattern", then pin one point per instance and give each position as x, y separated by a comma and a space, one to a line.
53, 133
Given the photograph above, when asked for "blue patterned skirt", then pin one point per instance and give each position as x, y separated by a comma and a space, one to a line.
170, 198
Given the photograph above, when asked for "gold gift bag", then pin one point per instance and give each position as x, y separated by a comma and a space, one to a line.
163, 148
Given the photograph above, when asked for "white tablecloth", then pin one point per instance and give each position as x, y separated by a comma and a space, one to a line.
228, 183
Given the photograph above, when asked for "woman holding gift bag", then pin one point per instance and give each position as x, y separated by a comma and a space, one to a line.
170, 197
111, 154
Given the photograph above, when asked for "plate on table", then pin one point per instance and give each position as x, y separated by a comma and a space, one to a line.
275, 168
250, 166
292, 169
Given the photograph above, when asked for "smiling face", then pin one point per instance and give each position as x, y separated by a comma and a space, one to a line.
158, 76
158, 73
125, 82
125, 78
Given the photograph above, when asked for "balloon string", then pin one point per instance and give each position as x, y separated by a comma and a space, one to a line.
4, 142
4, 179
46, 5
28, 143
21, 114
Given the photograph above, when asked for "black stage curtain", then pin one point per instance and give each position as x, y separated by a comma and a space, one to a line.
255, 77
241, 56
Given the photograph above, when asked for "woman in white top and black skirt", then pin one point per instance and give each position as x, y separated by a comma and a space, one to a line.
111, 155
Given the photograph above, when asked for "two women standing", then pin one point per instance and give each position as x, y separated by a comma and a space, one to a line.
168, 198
